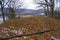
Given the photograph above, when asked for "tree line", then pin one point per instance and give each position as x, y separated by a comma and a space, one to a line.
49, 6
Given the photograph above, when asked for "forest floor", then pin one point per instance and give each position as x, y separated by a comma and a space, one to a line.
28, 25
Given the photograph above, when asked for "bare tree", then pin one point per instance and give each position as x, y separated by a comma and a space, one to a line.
49, 7
52, 8
2, 7
12, 5
11, 12
46, 2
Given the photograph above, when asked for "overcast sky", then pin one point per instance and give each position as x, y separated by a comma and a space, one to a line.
29, 4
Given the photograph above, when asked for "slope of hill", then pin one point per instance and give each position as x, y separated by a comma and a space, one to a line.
29, 25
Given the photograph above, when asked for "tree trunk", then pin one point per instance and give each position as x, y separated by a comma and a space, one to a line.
52, 8
47, 8
2, 11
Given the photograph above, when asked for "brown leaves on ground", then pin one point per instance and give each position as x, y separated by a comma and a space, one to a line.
19, 26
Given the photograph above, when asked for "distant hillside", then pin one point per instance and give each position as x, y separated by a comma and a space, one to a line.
25, 10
